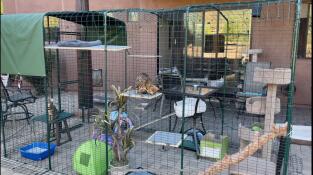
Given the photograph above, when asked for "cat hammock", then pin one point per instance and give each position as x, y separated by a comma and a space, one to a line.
259, 142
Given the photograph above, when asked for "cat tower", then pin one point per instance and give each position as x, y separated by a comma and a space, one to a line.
268, 106
243, 161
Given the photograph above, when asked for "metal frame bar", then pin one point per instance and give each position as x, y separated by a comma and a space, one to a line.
184, 87
295, 39
106, 91
46, 102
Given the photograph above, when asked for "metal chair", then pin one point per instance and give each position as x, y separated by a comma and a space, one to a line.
193, 108
169, 82
15, 97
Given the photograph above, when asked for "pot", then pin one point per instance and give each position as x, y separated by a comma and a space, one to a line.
118, 170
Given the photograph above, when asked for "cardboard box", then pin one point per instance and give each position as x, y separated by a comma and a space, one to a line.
213, 146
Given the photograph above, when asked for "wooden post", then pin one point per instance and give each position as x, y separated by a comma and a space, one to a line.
272, 77
84, 68
269, 117
268, 106
254, 53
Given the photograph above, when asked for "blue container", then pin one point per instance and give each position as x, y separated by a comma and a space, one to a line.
37, 150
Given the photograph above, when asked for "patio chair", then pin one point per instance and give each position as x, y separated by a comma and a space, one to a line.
171, 89
193, 109
169, 83
13, 98
250, 88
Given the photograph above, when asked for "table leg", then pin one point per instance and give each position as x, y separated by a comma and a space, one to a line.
195, 140
222, 114
161, 106
58, 132
67, 130
214, 113
169, 123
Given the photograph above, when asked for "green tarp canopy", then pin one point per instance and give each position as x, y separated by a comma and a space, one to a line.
22, 45
22, 38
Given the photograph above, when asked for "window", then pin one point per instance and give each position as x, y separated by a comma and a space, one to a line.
214, 43
217, 42
97, 80
133, 16
1, 11
305, 32
52, 29
170, 28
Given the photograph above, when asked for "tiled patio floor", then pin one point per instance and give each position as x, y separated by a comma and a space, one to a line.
145, 155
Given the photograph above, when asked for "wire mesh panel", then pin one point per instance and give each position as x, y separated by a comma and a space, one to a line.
80, 86
20, 102
200, 89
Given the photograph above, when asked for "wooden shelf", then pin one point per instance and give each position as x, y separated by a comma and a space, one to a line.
272, 76
257, 105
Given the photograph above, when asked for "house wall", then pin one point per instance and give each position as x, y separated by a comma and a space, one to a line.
150, 4
273, 33
303, 94
274, 36
36, 6
32, 6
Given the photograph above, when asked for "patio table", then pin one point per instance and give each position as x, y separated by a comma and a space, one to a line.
139, 96
135, 94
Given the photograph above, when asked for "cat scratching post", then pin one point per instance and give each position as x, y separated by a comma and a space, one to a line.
254, 53
273, 77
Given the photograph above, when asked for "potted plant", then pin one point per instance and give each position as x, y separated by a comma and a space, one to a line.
119, 128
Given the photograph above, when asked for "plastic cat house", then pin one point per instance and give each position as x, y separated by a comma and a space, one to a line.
90, 158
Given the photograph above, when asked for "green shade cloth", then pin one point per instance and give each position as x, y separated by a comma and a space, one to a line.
87, 18
22, 44
94, 21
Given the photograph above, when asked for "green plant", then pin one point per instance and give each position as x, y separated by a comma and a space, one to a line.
122, 140
257, 127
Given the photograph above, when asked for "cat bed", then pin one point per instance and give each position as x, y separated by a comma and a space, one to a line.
90, 158
79, 43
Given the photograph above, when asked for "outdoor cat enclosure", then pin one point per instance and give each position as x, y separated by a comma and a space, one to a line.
195, 96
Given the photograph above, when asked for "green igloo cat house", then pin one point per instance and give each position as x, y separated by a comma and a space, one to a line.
90, 158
